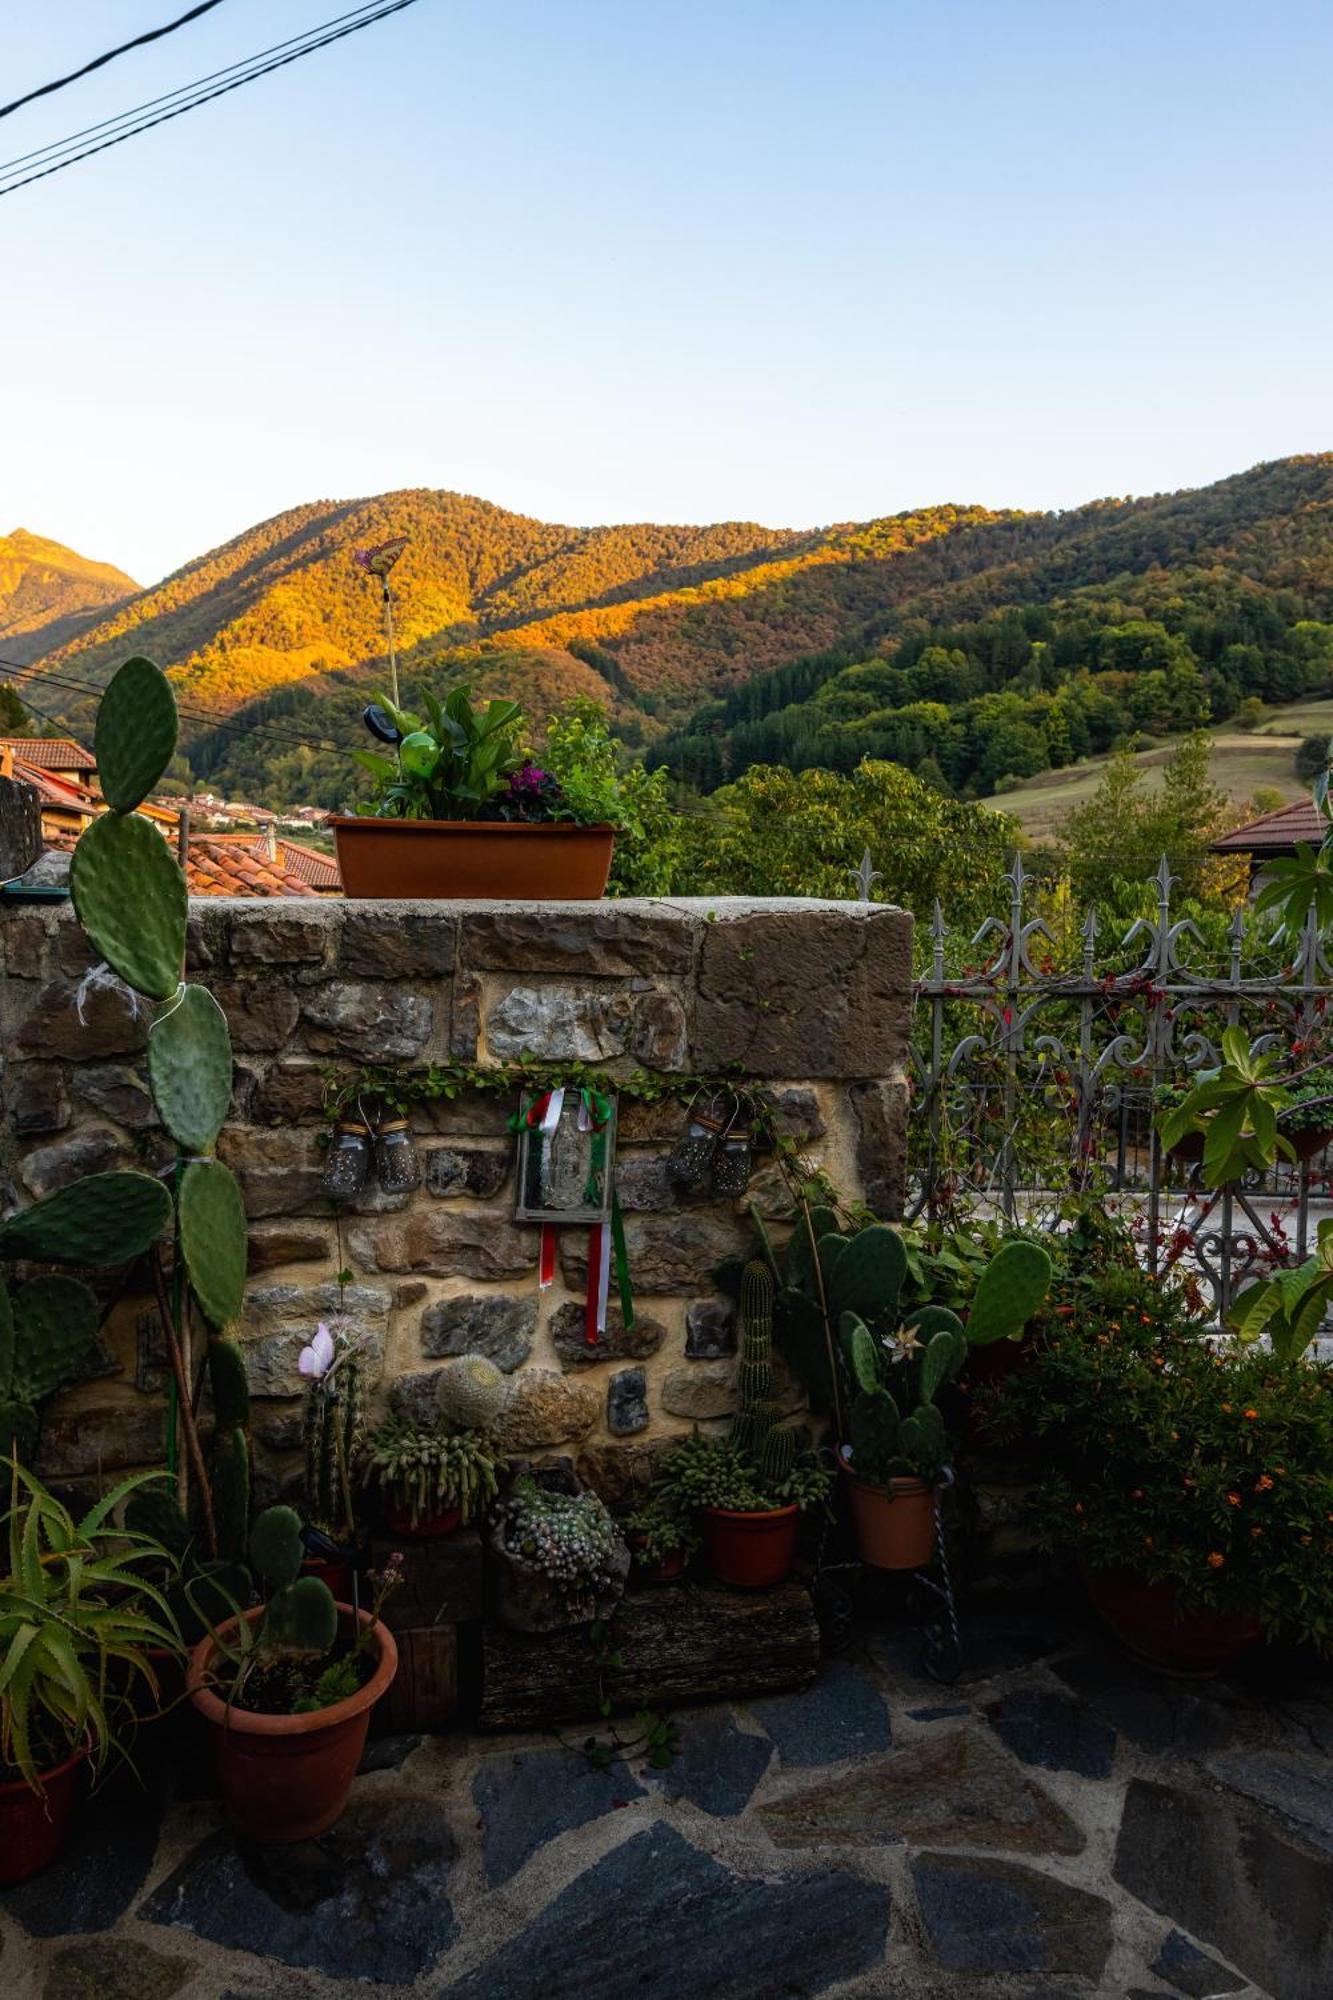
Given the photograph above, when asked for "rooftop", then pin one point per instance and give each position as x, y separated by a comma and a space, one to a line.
1275, 832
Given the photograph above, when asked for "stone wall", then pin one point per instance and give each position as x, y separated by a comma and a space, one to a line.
812, 998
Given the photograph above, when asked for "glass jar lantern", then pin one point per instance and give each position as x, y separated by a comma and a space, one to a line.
348, 1160
396, 1162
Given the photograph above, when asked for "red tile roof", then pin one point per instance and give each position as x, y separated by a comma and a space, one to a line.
50, 753
218, 867
1275, 832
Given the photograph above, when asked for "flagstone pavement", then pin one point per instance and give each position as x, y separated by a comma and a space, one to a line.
1058, 1824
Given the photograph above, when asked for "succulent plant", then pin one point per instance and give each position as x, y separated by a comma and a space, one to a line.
470, 1393
334, 1418
428, 1470
756, 1432
569, 1538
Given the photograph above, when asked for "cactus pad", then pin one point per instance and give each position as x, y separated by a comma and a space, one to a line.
276, 1548
1012, 1286
189, 1067
227, 1380
212, 1227
874, 1434
18, 1425
860, 1344
55, 1330
869, 1274
129, 895
942, 1356
300, 1621
231, 1493
136, 733
100, 1221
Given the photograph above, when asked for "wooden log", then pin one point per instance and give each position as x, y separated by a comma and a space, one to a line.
442, 1580
685, 1643
20, 828
425, 1692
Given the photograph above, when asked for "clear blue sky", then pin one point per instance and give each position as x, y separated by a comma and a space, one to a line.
699, 259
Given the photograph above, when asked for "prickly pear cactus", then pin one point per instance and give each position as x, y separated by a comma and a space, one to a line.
48, 1329
98, 1222
129, 894
1011, 1288
136, 734
189, 1067
276, 1548
869, 1274
212, 1229
300, 1617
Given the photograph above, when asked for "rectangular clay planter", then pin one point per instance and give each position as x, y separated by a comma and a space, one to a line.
473, 860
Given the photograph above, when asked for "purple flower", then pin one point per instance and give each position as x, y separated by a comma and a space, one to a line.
317, 1359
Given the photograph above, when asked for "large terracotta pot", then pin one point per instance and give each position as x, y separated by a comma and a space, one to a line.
894, 1524
480, 860
34, 1825
751, 1551
286, 1777
1150, 1621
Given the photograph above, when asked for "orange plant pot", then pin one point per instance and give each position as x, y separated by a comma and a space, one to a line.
751, 1551
286, 1777
34, 1825
429, 1527
894, 1524
473, 860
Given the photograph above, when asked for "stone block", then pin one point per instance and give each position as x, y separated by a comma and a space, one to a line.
277, 1243
36, 1100
501, 1328
796, 1113
672, 1255
91, 1149
880, 1107
366, 1022
627, 1402
279, 1319
465, 1019
117, 1091
574, 1350
297, 936
639, 1123
26, 937
448, 1243
710, 1329
280, 1171
113, 1023
289, 1093
987, 1916
456, 1170
700, 1390
660, 1037
623, 1473
106, 1438
547, 1409
261, 1013
114, 1968
642, 1186
819, 990
560, 1023
583, 940
473, 1114
407, 944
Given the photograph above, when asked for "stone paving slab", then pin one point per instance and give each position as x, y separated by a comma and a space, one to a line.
1060, 1826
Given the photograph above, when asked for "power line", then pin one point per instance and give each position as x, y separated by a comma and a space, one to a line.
59, 146
206, 97
100, 62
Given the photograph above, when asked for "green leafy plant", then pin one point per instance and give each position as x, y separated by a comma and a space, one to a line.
660, 1530
567, 1538
1289, 1307
1159, 1450
449, 764
428, 1470
80, 1619
1235, 1108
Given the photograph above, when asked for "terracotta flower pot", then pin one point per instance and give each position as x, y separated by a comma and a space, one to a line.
1151, 1621
286, 1777
481, 860
751, 1551
1310, 1141
429, 1527
894, 1524
335, 1571
34, 1825
1189, 1148
646, 1574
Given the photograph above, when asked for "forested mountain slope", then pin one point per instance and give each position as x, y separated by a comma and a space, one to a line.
48, 594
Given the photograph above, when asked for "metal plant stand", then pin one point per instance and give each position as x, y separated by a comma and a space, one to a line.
941, 1635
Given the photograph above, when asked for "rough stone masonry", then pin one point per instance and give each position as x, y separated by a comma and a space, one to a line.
811, 998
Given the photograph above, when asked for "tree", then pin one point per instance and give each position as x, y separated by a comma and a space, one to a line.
1312, 757
1124, 829
1250, 713
14, 718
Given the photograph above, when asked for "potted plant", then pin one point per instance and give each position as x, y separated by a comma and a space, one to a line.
81, 1621
1191, 1480
430, 1479
1307, 1120
461, 811
879, 1369
662, 1538
289, 1687
334, 1415
559, 1558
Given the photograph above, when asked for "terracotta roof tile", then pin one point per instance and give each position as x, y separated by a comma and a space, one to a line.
50, 753
217, 868
1275, 832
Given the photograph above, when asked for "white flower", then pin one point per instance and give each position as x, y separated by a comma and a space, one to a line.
317, 1359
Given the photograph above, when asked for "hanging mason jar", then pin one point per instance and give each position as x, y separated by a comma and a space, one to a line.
733, 1157
396, 1162
348, 1160
692, 1157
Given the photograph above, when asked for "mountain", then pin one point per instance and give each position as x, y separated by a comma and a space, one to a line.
48, 594
976, 646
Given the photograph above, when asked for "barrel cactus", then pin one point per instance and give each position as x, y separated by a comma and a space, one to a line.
470, 1393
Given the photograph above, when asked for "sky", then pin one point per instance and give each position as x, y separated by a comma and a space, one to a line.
687, 261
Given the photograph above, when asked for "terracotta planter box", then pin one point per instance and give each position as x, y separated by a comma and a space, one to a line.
286, 1777
1151, 1622
428, 1528
473, 860
34, 1825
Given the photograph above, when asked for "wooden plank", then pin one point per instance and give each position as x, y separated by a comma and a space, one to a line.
425, 1692
684, 1643
442, 1580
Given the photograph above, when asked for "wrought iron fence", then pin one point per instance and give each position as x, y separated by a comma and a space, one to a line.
1034, 1081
